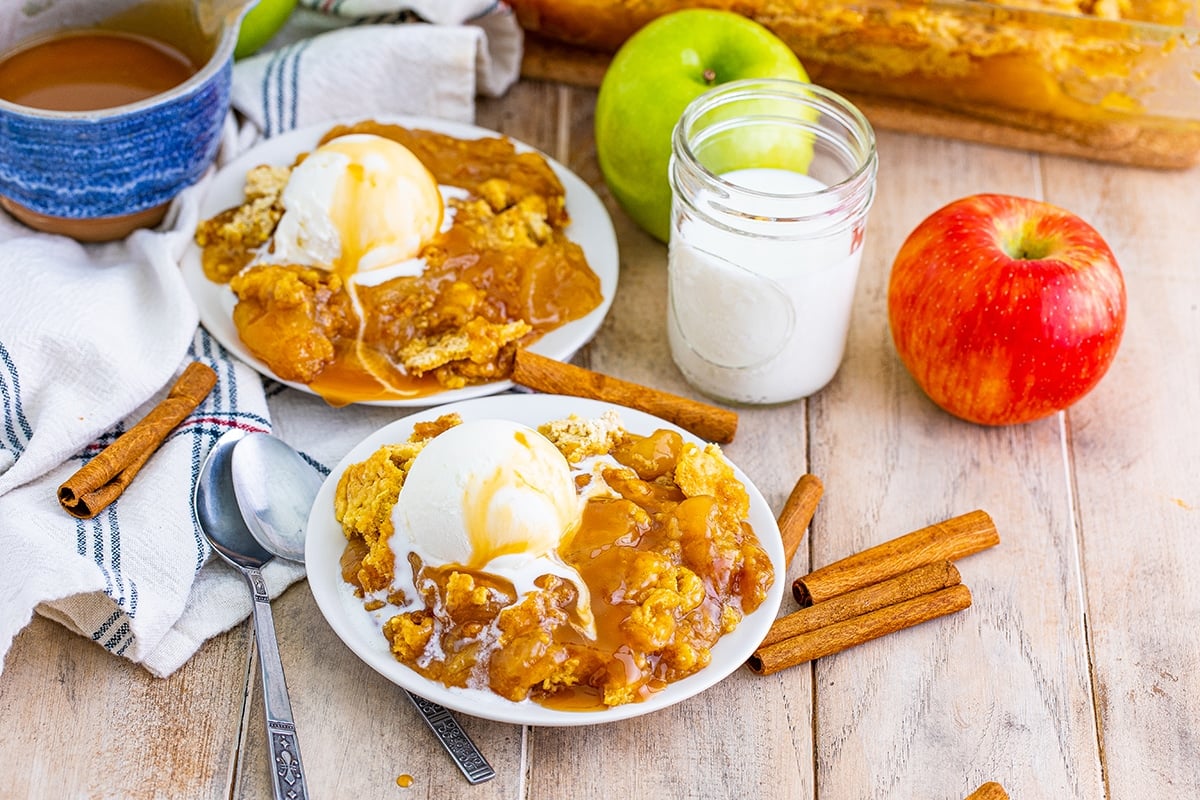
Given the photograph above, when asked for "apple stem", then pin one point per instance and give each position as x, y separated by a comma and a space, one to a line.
710, 76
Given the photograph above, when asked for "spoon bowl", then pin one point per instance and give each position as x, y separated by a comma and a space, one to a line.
218, 516
275, 489
221, 520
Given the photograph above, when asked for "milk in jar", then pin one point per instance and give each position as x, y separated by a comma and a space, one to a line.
764, 256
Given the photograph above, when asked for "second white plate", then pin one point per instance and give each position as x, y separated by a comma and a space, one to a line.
360, 631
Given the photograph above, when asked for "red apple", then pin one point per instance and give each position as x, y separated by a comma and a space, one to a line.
1005, 309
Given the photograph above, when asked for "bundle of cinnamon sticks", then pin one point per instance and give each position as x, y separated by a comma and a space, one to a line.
886, 588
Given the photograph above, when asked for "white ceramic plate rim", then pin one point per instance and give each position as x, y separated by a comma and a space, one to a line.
590, 227
345, 614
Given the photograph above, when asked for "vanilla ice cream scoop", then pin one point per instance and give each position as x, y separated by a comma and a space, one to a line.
493, 496
358, 202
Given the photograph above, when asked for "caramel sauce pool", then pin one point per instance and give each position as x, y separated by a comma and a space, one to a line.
90, 70
600, 550
348, 380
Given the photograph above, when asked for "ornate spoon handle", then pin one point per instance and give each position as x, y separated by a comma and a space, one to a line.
287, 772
460, 747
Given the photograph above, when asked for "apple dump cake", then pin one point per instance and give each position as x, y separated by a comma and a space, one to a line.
579, 565
1114, 79
393, 262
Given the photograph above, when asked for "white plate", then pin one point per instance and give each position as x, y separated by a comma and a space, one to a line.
591, 228
360, 632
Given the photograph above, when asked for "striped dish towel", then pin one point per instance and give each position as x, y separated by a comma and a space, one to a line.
90, 338
338, 59
145, 583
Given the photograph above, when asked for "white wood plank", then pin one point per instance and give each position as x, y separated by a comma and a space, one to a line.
1001, 690
79, 722
1135, 444
747, 732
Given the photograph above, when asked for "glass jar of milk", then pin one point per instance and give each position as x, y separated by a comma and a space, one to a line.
772, 181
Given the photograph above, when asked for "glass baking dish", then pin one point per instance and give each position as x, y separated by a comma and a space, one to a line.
1125, 90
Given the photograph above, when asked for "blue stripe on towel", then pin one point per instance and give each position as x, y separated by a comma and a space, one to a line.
268, 126
105, 550
204, 348
17, 430
317, 465
294, 69
103, 629
98, 552
201, 343
114, 553
281, 88
277, 92
122, 632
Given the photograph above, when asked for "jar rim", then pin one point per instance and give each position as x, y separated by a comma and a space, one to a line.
826, 101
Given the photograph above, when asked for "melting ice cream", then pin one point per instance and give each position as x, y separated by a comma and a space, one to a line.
493, 496
357, 203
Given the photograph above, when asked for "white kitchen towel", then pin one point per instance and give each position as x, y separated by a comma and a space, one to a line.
333, 66
91, 336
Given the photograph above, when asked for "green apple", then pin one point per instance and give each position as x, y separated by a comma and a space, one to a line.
651, 80
261, 23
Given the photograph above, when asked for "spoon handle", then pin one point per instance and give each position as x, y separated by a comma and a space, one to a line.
466, 755
287, 772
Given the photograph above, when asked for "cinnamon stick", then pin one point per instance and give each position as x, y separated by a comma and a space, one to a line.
102, 480
556, 377
857, 630
920, 581
989, 791
943, 541
798, 512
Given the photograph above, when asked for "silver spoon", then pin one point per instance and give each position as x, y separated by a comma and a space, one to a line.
275, 490
218, 516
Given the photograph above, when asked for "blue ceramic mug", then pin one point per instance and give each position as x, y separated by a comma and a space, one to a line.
97, 175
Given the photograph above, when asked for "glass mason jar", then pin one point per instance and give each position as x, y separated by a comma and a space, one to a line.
771, 184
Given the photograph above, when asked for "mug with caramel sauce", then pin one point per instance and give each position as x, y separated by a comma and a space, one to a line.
108, 110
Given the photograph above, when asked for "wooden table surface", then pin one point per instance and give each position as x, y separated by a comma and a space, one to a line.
1075, 673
